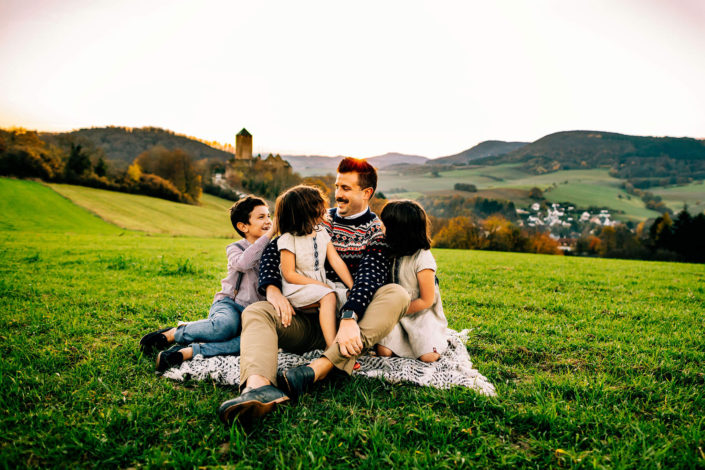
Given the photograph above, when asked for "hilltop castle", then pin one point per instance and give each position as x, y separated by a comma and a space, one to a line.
243, 145
263, 176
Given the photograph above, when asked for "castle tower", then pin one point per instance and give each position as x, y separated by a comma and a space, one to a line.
243, 145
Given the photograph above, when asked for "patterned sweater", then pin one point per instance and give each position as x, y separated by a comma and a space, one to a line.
359, 242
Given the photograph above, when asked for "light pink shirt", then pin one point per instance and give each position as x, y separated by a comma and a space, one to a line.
247, 262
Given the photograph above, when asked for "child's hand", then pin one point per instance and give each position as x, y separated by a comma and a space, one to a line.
281, 305
272, 230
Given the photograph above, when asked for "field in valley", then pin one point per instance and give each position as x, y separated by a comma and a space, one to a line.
598, 363
582, 188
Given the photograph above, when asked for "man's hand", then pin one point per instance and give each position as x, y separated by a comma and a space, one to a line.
348, 338
281, 304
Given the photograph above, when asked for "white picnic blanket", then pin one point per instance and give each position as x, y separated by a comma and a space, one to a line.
454, 368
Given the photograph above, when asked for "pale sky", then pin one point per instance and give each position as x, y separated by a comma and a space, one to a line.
356, 78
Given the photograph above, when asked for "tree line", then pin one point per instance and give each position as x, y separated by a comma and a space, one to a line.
495, 233
664, 239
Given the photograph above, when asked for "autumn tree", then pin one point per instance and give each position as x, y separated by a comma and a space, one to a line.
460, 232
542, 242
24, 154
175, 166
503, 235
536, 193
133, 173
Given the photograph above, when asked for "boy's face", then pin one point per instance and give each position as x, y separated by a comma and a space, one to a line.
259, 224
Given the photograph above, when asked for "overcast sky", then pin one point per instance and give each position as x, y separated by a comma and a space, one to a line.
356, 78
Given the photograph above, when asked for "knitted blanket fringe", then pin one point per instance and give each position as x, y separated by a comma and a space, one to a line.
454, 368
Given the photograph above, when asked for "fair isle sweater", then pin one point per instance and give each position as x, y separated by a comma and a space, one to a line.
359, 242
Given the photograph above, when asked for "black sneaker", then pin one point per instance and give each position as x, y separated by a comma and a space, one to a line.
168, 359
154, 340
252, 403
296, 381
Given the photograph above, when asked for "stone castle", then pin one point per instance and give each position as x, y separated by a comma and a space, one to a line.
244, 162
243, 145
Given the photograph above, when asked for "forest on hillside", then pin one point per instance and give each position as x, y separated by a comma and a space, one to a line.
122, 144
644, 161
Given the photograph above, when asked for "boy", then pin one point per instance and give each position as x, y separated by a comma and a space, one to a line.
219, 333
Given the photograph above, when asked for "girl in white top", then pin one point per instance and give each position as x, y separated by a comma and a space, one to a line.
305, 246
421, 333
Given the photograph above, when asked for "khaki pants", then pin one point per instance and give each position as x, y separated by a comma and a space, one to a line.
263, 333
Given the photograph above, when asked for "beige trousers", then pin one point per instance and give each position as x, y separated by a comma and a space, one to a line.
263, 333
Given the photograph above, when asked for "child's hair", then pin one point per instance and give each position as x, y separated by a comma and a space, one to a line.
299, 209
241, 210
366, 173
406, 227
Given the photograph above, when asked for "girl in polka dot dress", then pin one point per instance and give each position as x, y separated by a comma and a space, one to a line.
305, 246
421, 333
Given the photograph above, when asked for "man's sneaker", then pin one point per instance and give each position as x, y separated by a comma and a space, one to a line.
252, 403
168, 359
296, 381
154, 340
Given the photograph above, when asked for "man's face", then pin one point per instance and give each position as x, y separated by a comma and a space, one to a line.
350, 197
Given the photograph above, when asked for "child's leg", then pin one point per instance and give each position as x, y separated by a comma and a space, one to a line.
326, 316
430, 357
223, 323
217, 348
384, 352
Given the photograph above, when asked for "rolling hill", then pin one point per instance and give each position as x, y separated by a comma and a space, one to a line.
153, 215
77, 209
122, 145
28, 206
488, 148
629, 156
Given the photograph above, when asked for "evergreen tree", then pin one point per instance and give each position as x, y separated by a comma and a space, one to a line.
101, 167
78, 162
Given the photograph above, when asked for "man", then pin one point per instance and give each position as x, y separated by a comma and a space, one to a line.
371, 311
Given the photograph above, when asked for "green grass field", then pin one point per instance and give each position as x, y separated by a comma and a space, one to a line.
598, 363
675, 197
148, 214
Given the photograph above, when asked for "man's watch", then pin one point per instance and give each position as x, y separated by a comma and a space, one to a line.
348, 314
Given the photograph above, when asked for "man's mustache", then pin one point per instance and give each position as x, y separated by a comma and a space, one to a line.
340, 199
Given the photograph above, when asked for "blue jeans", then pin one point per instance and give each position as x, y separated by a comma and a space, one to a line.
217, 335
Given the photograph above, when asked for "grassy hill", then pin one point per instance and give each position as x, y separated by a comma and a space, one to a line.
629, 156
29, 206
484, 149
32, 206
676, 197
597, 363
147, 214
